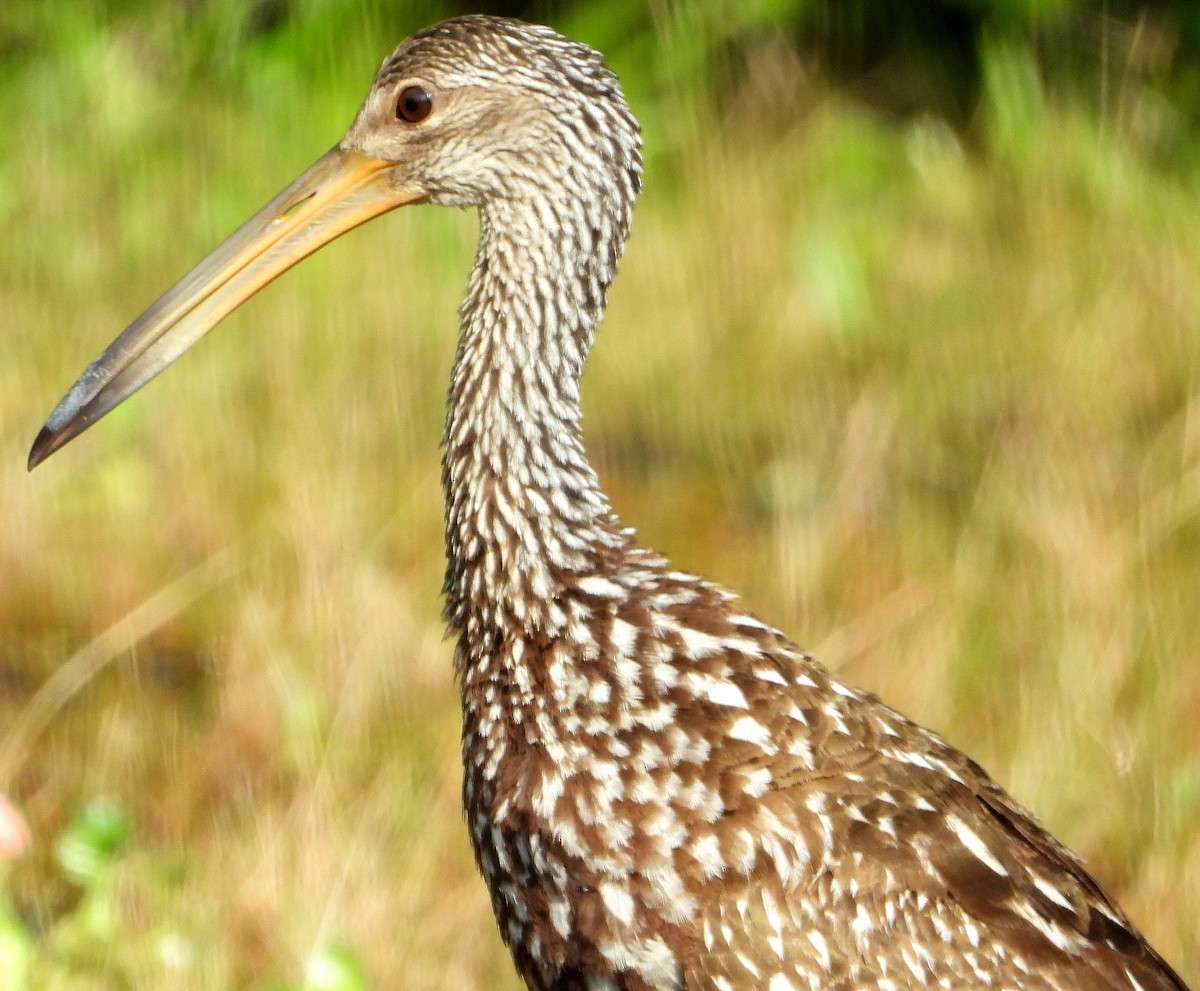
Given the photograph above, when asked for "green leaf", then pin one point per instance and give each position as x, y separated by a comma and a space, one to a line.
89, 844
334, 969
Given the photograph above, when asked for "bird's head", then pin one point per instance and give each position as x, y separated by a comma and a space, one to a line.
476, 109
469, 112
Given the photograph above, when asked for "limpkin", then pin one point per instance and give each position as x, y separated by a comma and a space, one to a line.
662, 791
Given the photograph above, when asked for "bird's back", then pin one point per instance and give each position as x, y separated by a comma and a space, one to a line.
673, 795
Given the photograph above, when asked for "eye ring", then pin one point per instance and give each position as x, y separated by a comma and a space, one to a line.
413, 105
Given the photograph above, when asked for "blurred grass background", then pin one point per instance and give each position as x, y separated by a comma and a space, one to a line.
904, 348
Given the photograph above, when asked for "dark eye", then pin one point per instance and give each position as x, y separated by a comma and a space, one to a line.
414, 104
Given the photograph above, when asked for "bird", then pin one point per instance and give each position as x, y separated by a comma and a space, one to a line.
662, 790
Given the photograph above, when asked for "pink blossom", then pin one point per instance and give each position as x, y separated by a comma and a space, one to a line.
14, 834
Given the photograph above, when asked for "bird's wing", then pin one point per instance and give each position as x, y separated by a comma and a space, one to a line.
913, 868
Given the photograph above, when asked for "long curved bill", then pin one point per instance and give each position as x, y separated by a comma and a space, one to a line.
341, 190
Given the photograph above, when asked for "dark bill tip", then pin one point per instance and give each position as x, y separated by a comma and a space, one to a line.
48, 441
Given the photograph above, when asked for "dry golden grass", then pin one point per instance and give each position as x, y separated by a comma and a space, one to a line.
935, 411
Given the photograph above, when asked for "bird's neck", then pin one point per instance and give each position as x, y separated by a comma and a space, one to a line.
525, 514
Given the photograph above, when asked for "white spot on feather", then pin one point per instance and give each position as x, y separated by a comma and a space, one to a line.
1052, 892
560, 916
665, 675
546, 797
750, 623
1134, 981
652, 960
773, 915
914, 758
628, 671
1052, 931
623, 636
914, 964
752, 731
707, 851
758, 781
862, 924
600, 586
972, 841
748, 963
743, 851
618, 901
886, 727
818, 944
717, 691
699, 645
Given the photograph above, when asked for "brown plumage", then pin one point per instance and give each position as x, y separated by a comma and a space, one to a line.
662, 791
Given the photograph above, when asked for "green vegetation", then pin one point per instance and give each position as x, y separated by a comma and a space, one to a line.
914, 365
85, 945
